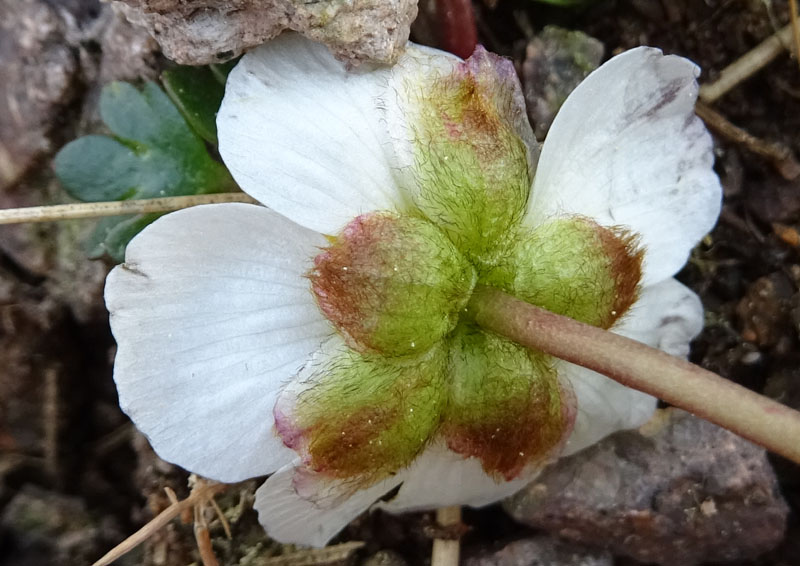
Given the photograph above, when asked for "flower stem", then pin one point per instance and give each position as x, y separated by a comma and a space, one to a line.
678, 382
457, 31
446, 551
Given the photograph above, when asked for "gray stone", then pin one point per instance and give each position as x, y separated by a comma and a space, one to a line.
195, 32
683, 491
556, 61
44, 65
541, 551
37, 77
128, 52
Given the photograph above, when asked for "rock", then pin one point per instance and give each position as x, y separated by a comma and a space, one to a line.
37, 79
197, 32
684, 492
45, 61
385, 558
49, 528
783, 384
556, 61
541, 551
129, 53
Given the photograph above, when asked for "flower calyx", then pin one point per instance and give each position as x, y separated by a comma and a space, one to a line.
392, 284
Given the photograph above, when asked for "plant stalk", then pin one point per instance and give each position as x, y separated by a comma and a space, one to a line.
446, 551
761, 420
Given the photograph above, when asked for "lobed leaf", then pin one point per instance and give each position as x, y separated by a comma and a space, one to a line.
153, 153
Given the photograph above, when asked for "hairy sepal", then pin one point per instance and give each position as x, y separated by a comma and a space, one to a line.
574, 267
505, 405
391, 284
356, 419
473, 152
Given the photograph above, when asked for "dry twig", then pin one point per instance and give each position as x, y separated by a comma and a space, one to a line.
780, 155
200, 493
748, 64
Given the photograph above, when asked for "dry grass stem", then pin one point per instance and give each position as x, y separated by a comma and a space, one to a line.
114, 208
446, 551
203, 538
795, 29
173, 498
780, 155
226, 526
748, 64
199, 494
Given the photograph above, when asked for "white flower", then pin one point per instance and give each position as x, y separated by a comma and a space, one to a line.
213, 309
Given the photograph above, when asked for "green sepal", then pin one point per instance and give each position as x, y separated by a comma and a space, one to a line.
392, 284
573, 267
222, 70
362, 417
505, 404
473, 154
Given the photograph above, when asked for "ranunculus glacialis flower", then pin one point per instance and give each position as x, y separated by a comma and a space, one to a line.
322, 338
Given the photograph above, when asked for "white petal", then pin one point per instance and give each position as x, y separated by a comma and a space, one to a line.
212, 315
626, 149
304, 136
667, 316
440, 478
288, 518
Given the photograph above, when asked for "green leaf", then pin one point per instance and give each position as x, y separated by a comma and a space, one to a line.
98, 168
112, 235
197, 92
153, 153
222, 70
